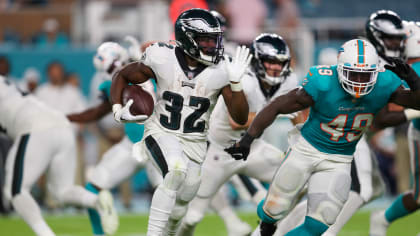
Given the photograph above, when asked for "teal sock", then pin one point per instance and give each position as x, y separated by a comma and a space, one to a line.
396, 210
263, 216
95, 219
310, 227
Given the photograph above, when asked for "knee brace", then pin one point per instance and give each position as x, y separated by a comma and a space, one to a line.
326, 206
174, 179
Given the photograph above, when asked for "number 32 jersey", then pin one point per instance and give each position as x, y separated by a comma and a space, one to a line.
184, 101
337, 120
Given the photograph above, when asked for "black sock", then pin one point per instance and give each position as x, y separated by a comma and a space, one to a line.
267, 229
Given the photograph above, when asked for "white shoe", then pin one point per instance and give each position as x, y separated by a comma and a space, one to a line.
106, 209
239, 229
378, 224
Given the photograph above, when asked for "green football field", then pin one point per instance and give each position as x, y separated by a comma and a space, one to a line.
131, 225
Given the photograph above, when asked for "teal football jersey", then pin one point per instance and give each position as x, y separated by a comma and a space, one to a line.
133, 131
337, 120
416, 67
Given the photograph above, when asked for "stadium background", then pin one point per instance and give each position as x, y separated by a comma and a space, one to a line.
80, 26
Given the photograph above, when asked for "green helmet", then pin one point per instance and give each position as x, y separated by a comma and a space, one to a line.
198, 34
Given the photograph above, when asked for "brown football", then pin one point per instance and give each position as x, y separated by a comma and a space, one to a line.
143, 103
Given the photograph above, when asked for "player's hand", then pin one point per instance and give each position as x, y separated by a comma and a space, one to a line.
404, 71
237, 67
134, 51
122, 113
238, 152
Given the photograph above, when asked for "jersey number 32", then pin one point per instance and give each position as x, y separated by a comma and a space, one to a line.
177, 102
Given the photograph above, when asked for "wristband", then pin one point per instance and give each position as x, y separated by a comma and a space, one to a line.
411, 114
116, 107
236, 87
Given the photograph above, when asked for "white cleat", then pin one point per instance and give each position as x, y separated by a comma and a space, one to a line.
106, 209
378, 224
239, 229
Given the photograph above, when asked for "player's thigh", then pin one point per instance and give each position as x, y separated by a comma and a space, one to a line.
62, 169
108, 173
27, 159
288, 181
217, 169
263, 161
328, 189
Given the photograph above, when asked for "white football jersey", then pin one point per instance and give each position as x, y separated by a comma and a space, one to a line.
23, 114
221, 132
184, 102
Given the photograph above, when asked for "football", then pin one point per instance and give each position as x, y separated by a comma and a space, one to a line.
143, 103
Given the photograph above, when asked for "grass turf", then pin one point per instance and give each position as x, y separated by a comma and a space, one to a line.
130, 225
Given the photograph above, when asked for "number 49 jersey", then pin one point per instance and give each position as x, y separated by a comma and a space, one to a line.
337, 120
184, 101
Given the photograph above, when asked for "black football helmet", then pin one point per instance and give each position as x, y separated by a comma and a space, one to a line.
384, 29
220, 18
198, 34
273, 48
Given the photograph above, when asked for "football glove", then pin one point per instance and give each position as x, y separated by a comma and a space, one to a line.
237, 67
134, 51
240, 150
122, 113
405, 72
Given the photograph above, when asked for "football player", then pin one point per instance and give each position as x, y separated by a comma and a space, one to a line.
190, 77
43, 141
110, 57
408, 202
343, 99
269, 77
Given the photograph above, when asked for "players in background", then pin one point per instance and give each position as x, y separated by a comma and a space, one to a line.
343, 101
408, 202
190, 76
43, 141
110, 58
268, 77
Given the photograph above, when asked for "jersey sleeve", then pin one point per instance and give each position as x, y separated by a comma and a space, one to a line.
156, 54
105, 89
310, 85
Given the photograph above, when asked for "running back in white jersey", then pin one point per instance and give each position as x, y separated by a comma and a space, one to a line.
221, 132
184, 103
23, 114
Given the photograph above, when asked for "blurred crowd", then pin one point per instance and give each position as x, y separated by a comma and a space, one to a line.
90, 22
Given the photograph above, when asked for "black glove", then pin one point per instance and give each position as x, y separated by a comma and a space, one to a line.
404, 71
240, 150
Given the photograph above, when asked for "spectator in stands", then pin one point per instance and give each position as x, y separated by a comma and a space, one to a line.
246, 19
51, 36
30, 80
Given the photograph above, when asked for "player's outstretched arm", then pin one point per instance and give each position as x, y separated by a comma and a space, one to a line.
296, 100
91, 114
134, 73
293, 101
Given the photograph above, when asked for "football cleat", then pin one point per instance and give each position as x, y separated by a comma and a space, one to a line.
106, 209
378, 224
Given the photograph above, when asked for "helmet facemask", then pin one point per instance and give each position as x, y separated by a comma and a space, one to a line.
208, 48
356, 81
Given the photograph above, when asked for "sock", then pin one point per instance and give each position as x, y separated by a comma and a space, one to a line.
263, 216
353, 203
311, 227
29, 210
163, 202
77, 195
95, 219
396, 210
293, 219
